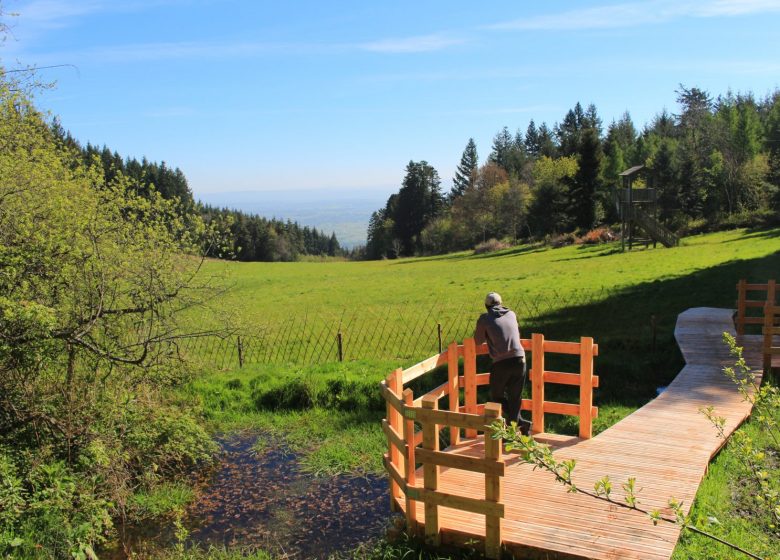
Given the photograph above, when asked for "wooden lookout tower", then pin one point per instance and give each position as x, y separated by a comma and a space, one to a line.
638, 211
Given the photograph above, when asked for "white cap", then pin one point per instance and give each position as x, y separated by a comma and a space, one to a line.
492, 299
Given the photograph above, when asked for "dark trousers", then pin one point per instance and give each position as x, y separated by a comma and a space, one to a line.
507, 379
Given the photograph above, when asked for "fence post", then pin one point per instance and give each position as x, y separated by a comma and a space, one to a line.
438, 332
470, 378
537, 383
767, 346
586, 387
240, 352
341, 346
431, 475
453, 381
741, 293
395, 384
492, 485
411, 465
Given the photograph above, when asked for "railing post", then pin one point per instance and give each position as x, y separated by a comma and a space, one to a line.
240, 352
470, 379
771, 292
586, 387
741, 294
454, 388
431, 475
438, 335
395, 384
340, 341
537, 383
492, 484
411, 465
767, 346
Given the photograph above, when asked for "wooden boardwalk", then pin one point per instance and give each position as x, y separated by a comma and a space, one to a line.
666, 445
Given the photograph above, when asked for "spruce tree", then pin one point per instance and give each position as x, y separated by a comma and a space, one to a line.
464, 174
533, 145
503, 143
587, 181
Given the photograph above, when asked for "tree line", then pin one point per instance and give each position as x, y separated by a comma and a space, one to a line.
715, 163
232, 234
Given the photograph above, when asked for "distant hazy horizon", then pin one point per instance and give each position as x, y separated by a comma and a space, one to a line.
344, 211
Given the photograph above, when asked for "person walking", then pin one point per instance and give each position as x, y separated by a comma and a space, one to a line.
498, 327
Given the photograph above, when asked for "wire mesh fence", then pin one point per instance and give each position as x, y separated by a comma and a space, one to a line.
395, 332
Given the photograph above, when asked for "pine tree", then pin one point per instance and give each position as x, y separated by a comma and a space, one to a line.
547, 146
464, 174
533, 145
587, 181
503, 143
419, 201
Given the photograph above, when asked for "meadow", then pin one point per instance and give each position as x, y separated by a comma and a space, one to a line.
329, 413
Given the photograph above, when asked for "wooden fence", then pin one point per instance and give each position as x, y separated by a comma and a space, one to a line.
408, 447
768, 293
769, 317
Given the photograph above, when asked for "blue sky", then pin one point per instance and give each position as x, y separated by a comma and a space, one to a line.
256, 95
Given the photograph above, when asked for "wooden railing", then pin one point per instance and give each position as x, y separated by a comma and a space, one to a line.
407, 447
771, 331
768, 293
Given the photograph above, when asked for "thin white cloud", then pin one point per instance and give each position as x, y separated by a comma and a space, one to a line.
638, 13
57, 13
170, 112
149, 52
145, 52
421, 43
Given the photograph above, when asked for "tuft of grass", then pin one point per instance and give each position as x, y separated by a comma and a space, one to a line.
162, 501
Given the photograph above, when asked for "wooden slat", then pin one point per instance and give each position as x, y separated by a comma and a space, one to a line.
430, 475
493, 486
439, 392
394, 386
394, 473
462, 462
460, 419
481, 379
568, 409
393, 437
755, 303
472, 505
470, 381
453, 379
566, 378
586, 387
537, 383
417, 370
566, 347
391, 399
411, 464
756, 287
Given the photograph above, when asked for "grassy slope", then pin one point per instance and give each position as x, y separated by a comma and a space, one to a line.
660, 282
462, 279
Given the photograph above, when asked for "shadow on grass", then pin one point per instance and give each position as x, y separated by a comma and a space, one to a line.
634, 328
757, 234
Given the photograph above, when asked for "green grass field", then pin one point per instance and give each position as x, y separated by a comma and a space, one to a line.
329, 413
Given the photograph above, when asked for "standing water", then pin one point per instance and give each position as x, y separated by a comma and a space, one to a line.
264, 500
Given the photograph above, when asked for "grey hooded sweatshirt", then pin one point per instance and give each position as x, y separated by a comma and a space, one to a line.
498, 327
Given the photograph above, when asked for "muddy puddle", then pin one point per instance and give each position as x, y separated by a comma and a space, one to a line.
264, 500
